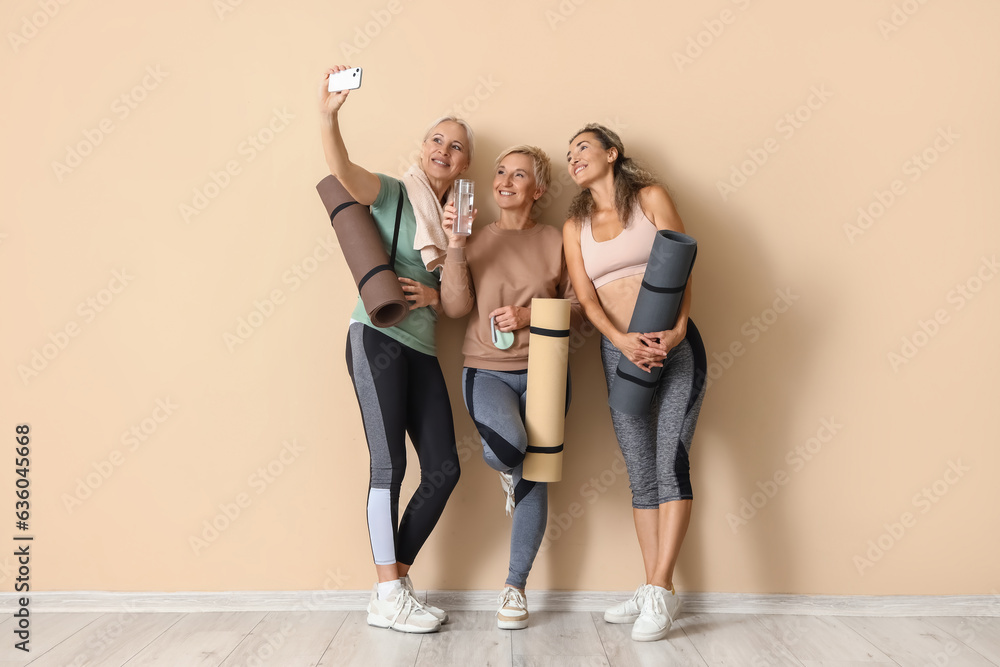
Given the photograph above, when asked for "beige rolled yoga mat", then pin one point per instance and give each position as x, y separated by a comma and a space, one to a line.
366, 257
545, 408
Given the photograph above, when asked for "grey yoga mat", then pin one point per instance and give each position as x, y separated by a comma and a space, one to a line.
366, 257
656, 309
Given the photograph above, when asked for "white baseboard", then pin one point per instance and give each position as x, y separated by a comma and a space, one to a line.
713, 603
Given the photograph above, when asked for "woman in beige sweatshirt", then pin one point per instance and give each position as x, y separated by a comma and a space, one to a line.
494, 274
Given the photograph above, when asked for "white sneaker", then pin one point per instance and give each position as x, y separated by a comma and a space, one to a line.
507, 482
627, 611
403, 613
513, 612
439, 614
654, 620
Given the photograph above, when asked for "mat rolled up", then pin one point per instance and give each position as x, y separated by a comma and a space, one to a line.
366, 257
545, 406
656, 309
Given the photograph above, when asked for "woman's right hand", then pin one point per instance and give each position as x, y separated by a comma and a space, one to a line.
330, 103
641, 350
448, 223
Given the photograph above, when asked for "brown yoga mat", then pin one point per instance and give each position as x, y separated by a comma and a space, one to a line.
361, 244
545, 408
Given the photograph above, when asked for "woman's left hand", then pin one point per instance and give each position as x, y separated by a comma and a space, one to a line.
511, 318
669, 339
418, 294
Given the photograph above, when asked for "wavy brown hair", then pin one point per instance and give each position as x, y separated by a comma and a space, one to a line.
629, 179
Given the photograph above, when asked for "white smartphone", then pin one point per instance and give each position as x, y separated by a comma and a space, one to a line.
348, 79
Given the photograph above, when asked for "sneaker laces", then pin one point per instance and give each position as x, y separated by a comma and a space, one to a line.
639, 592
653, 605
512, 597
405, 605
507, 482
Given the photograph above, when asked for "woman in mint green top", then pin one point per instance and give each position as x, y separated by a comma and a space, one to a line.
396, 375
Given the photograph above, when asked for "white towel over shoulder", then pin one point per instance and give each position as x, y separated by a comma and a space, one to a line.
429, 238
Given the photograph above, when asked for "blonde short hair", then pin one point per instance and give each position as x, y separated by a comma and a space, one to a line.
465, 126
540, 161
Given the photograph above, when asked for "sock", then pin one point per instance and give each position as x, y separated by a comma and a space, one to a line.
388, 589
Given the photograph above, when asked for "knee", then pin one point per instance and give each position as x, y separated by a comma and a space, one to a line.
645, 496
503, 453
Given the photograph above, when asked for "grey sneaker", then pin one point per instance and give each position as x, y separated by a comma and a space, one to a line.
513, 612
628, 611
439, 614
403, 613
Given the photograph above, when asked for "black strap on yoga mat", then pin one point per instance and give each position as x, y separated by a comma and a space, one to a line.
544, 450
552, 333
333, 214
368, 276
395, 232
641, 383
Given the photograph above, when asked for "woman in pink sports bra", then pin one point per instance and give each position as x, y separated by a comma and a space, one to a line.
607, 240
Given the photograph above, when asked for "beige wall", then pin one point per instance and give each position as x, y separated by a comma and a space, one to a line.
168, 284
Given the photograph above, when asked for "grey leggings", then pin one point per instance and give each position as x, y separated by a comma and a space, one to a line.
495, 400
656, 445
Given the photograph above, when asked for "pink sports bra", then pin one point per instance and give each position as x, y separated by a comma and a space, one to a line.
624, 255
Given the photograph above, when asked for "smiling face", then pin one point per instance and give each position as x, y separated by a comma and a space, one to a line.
514, 183
445, 152
587, 160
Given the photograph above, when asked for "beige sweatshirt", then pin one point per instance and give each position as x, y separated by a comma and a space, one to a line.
500, 267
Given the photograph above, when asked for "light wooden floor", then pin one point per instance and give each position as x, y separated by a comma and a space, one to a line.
471, 639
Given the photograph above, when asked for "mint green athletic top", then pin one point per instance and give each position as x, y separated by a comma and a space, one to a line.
417, 330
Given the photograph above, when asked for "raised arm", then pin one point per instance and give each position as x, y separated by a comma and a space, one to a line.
361, 183
458, 295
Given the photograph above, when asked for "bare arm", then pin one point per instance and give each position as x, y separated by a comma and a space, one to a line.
645, 355
659, 208
363, 185
566, 291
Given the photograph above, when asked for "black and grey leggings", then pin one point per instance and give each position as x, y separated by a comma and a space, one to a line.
402, 391
656, 445
496, 401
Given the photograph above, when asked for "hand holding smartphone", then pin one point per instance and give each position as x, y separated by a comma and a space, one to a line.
348, 79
